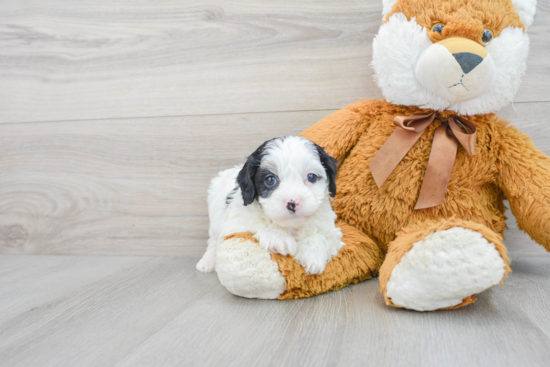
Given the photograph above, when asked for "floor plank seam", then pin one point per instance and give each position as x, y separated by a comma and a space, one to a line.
202, 115
173, 116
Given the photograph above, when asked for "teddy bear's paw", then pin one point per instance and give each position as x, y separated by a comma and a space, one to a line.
246, 270
443, 269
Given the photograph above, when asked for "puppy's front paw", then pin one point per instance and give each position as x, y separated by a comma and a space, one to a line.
315, 252
313, 265
278, 242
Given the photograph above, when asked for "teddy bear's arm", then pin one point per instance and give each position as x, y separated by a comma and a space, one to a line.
339, 132
524, 175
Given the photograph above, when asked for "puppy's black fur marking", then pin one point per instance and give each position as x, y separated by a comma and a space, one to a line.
247, 175
263, 190
329, 164
231, 195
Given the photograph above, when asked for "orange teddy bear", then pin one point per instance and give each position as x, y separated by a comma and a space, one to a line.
423, 174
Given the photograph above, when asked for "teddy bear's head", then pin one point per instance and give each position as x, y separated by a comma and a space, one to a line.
466, 56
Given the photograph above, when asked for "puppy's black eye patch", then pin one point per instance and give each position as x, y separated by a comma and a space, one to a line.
266, 182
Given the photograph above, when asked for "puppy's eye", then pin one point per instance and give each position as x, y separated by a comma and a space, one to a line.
270, 181
312, 177
438, 27
487, 36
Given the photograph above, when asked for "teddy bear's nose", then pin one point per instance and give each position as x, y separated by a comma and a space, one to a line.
466, 52
467, 61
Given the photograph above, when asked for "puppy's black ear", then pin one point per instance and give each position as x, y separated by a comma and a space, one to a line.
245, 180
331, 169
247, 175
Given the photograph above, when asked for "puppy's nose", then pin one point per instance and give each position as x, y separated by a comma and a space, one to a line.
467, 61
291, 205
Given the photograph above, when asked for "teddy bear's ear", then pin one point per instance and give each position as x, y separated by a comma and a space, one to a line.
526, 10
388, 5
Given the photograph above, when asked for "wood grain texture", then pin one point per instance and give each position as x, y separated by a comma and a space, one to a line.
162, 312
41, 281
131, 186
138, 186
87, 168
100, 322
66, 60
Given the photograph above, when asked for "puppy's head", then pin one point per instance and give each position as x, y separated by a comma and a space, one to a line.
290, 177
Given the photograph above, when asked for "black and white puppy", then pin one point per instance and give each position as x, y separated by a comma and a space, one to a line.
282, 195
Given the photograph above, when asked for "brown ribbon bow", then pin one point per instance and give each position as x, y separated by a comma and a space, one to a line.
442, 156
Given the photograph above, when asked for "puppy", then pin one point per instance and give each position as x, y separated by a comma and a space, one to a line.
282, 195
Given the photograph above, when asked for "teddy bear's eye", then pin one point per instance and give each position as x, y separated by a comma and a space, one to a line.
438, 27
487, 36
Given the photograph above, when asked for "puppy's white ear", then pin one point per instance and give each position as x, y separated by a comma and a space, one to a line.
387, 7
526, 10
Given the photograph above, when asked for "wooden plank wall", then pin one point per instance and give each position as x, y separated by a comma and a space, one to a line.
114, 115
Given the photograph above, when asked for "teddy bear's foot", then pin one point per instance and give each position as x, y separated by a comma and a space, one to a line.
442, 265
246, 269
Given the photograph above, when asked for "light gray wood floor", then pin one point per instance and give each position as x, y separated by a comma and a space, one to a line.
159, 311
114, 115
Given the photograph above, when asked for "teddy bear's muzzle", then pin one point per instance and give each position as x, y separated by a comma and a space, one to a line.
456, 69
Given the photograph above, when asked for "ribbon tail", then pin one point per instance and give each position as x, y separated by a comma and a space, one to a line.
438, 171
391, 153
465, 133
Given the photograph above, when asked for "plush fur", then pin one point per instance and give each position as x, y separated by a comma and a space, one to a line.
490, 86
439, 257
443, 268
526, 10
245, 269
282, 195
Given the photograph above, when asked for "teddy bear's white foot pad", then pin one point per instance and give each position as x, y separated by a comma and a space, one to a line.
246, 270
443, 269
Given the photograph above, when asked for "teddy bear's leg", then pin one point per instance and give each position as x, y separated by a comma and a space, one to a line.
247, 270
358, 260
442, 265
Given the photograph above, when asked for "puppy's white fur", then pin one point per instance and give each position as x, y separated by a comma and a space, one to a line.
308, 232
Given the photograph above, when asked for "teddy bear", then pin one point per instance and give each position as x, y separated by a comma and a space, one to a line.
423, 174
